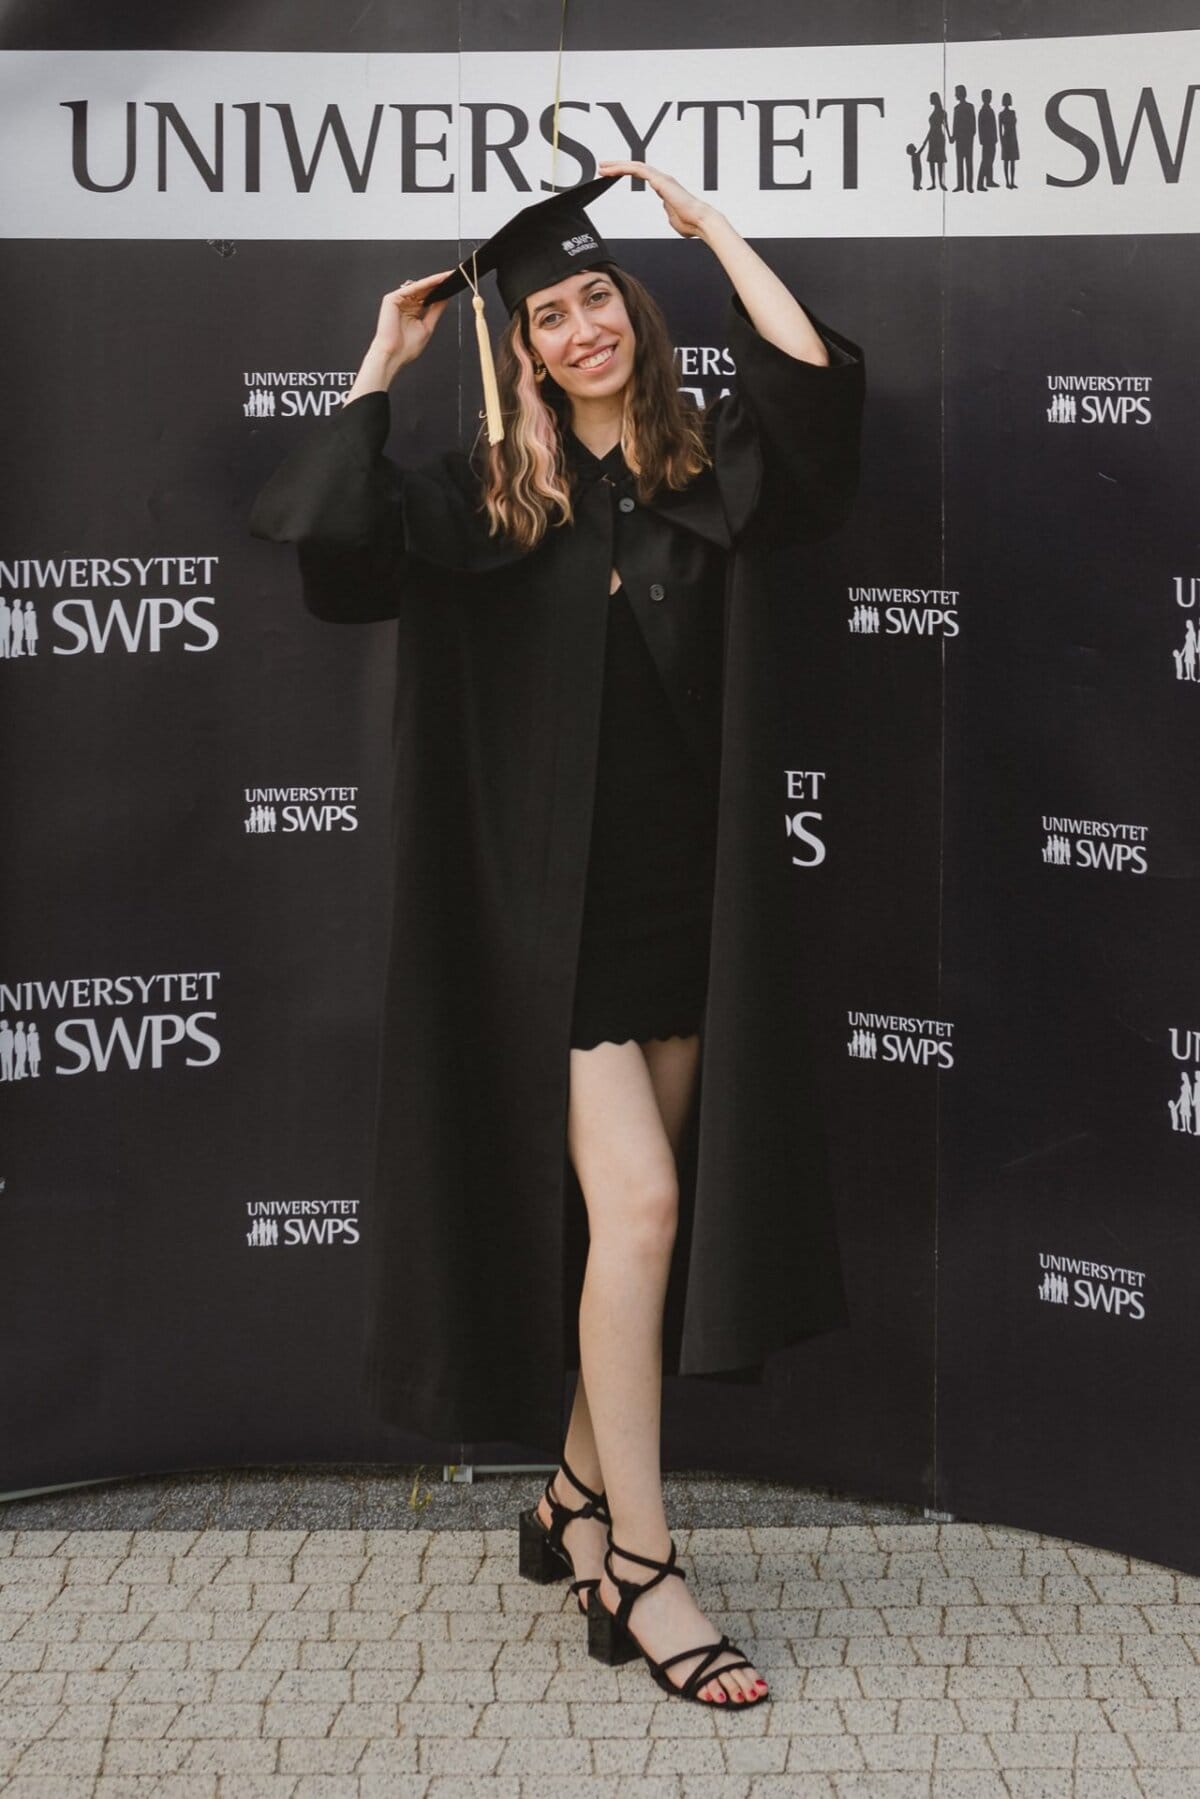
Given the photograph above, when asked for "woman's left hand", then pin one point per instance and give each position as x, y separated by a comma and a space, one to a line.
685, 213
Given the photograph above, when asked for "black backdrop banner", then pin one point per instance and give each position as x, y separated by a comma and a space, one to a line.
988, 824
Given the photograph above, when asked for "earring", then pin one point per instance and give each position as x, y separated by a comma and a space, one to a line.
539, 371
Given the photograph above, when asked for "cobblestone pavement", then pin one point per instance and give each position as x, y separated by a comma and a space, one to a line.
393, 1496
906, 1659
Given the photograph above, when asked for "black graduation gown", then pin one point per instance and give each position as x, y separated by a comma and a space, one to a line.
475, 1224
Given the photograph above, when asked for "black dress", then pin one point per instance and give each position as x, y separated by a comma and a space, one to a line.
643, 954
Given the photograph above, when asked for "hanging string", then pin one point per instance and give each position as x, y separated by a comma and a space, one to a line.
487, 368
562, 32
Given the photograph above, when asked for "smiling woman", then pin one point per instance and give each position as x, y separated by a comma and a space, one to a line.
590, 355
589, 1154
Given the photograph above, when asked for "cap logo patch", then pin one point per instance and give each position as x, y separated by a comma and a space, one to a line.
583, 241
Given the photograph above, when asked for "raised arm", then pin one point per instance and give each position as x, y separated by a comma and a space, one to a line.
800, 421
775, 314
337, 497
402, 332
786, 442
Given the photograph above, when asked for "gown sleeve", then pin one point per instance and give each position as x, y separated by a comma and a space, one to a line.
786, 443
365, 530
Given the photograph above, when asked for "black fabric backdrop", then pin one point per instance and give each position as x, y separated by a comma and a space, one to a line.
147, 1320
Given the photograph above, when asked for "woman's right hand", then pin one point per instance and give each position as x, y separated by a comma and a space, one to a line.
405, 326
401, 334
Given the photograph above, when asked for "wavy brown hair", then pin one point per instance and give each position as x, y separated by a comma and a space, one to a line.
525, 479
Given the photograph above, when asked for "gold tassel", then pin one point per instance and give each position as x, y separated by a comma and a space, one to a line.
487, 368
491, 393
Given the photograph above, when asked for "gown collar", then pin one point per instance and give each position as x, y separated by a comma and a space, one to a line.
697, 507
590, 467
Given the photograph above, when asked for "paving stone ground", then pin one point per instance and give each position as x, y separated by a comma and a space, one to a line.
389, 1495
907, 1660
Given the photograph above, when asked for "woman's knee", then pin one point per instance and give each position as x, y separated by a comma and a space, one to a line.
642, 1209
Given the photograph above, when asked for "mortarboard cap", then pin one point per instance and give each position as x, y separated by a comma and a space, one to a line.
537, 246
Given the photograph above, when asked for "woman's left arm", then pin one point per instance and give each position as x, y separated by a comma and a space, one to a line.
787, 440
775, 314
772, 310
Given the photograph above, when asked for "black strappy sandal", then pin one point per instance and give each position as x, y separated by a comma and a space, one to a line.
541, 1553
610, 1639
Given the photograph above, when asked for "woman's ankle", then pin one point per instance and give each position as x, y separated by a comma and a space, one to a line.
568, 1492
652, 1543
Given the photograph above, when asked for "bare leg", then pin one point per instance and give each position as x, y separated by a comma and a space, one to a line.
672, 1064
622, 1138
586, 1539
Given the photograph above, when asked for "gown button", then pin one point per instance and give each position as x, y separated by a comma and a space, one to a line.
658, 591
627, 505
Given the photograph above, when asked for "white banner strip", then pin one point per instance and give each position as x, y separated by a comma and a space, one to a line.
790, 142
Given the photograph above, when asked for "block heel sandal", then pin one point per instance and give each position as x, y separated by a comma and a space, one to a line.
611, 1641
541, 1553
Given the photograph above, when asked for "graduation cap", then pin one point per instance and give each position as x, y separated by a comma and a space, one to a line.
537, 246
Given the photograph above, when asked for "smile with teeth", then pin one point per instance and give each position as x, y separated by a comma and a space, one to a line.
598, 359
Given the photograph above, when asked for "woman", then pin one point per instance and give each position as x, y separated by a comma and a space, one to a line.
935, 139
1009, 151
578, 712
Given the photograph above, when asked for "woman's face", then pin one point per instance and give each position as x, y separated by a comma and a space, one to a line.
580, 329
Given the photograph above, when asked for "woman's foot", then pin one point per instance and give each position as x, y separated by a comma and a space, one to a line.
667, 1620
584, 1539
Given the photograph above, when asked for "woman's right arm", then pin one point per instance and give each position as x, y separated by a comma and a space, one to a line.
337, 497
